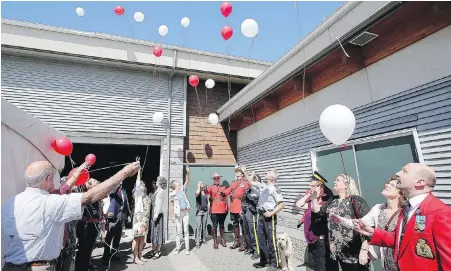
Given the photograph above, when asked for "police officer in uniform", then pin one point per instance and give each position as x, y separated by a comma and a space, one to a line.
237, 190
250, 217
269, 204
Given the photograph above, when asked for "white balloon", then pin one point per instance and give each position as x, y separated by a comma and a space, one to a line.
80, 11
138, 16
213, 118
337, 122
210, 83
158, 117
163, 30
185, 21
249, 27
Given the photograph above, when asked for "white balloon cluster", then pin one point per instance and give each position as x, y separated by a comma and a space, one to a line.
158, 117
337, 123
213, 118
80, 11
249, 28
138, 16
185, 22
163, 30
210, 83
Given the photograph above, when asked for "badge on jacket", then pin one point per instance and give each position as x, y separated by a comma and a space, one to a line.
422, 249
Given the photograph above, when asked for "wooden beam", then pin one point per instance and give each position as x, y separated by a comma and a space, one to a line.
296, 94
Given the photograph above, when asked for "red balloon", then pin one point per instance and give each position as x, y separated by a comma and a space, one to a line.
226, 32
226, 9
193, 80
157, 51
91, 159
119, 10
62, 146
82, 178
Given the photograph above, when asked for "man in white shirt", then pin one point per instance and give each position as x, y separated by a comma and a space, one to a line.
33, 221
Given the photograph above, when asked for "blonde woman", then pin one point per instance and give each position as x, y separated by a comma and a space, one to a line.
140, 220
382, 216
344, 242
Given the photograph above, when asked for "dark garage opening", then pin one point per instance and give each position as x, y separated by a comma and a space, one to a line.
115, 154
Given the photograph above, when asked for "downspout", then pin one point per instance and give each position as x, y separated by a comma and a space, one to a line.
168, 136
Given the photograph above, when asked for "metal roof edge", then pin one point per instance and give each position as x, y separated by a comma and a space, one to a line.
126, 40
321, 28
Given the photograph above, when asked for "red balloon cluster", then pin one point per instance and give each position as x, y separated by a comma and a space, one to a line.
91, 159
226, 9
119, 10
82, 178
157, 51
226, 32
193, 80
62, 146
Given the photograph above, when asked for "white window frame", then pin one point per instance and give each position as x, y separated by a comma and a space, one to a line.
406, 132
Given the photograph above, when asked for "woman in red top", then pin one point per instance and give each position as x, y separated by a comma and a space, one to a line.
218, 212
237, 190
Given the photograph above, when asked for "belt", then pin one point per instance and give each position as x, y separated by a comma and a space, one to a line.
238, 198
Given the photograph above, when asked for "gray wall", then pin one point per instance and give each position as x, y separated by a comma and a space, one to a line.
77, 97
426, 108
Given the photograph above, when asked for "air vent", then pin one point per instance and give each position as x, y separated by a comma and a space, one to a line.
363, 38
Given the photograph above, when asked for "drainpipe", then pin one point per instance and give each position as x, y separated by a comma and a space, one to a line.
168, 135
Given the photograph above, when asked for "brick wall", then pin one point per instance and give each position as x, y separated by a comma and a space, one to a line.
205, 143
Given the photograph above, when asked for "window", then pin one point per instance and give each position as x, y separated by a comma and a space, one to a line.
370, 161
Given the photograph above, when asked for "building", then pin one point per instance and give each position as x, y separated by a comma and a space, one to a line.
102, 91
397, 81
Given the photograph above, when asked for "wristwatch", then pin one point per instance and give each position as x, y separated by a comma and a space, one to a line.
364, 248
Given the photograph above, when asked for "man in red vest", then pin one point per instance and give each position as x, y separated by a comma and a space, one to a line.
422, 238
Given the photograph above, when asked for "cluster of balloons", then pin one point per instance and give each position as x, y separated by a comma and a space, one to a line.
337, 123
64, 146
249, 27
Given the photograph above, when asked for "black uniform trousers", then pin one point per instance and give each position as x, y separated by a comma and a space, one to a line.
267, 239
250, 229
87, 235
114, 234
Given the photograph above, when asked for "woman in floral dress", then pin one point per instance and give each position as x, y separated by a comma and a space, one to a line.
344, 242
382, 216
156, 220
140, 220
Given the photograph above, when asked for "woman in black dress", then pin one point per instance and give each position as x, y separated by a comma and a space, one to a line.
344, 242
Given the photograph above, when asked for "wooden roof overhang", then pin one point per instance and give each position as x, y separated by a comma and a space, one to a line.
409, 23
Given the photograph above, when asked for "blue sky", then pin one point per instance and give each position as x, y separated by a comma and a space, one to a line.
279, 25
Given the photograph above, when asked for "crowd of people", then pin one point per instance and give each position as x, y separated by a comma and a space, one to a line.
412, 229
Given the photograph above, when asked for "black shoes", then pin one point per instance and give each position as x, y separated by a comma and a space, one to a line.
260, 265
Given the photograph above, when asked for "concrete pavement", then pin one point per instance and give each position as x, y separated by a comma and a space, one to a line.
203, 259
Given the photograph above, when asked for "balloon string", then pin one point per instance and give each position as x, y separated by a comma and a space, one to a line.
249, 58
72, 162
342, 161
129, 25
110, 167
296, 5
201, 116
341, 45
